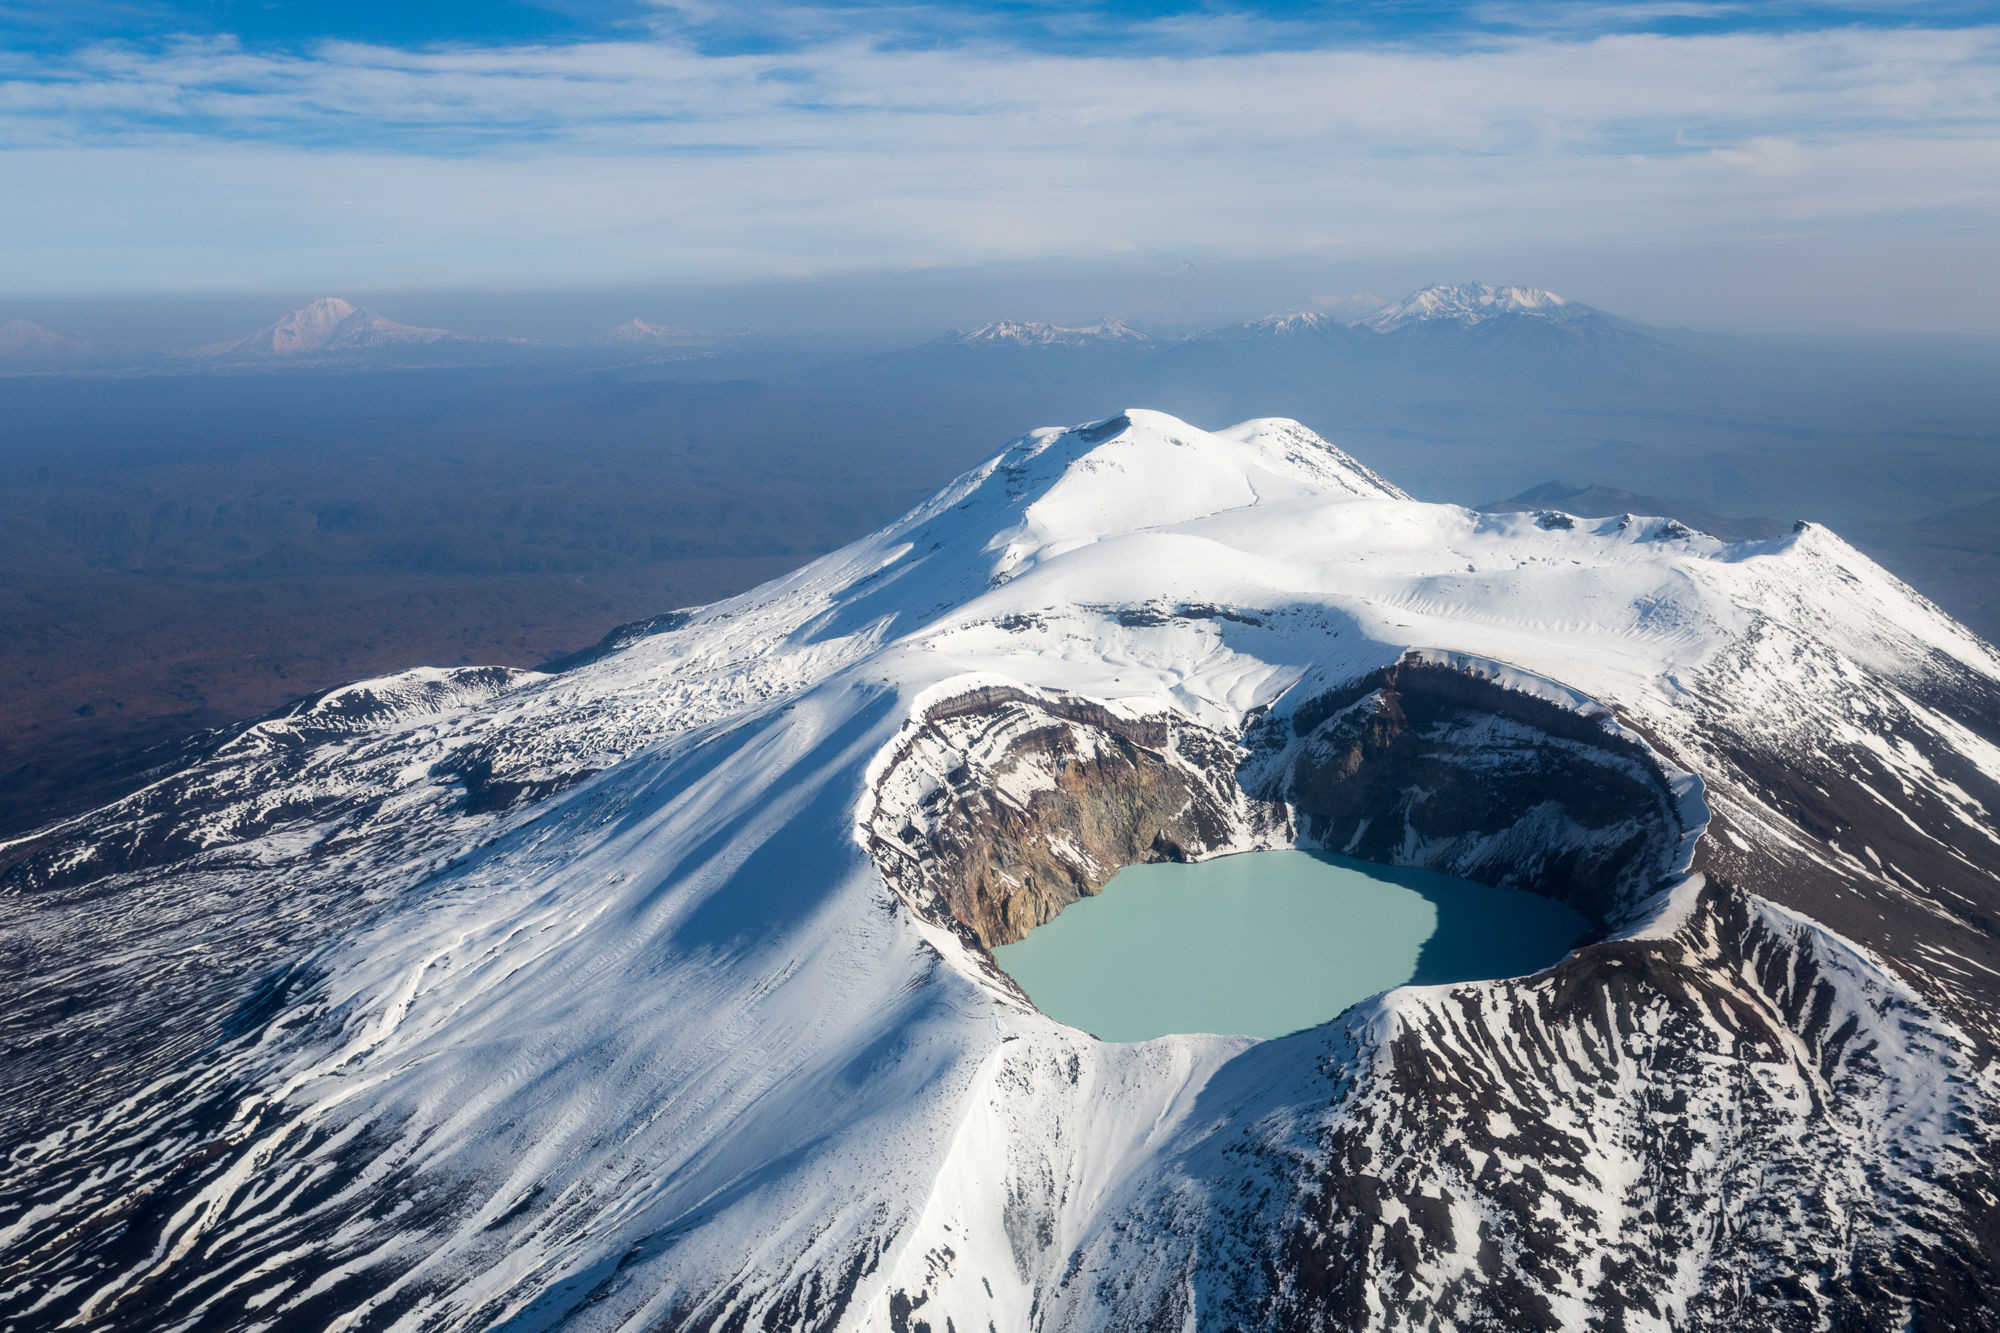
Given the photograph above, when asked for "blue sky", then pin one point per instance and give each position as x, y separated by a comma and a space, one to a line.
208, 145
52, 26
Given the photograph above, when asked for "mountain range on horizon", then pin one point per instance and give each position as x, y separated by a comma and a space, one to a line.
1457, 307
1474, 303
331, 328
1029, 333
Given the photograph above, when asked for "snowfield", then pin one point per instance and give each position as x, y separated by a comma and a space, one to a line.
645, 994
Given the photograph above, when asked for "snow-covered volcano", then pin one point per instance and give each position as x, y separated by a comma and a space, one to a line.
1521, 325
326, 327
637, 332
654, 993
27, 345
1472, 303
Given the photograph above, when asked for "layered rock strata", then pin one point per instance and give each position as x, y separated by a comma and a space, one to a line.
1001, 806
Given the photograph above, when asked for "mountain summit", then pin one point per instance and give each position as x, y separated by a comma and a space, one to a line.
26, 344
638, 333
1008, 332
1289, 324
1609, 501
327, 327
1465, 304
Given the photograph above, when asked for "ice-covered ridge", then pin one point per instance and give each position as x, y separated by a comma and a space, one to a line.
1288, 324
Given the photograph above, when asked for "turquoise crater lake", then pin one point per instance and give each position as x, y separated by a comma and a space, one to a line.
1265, 943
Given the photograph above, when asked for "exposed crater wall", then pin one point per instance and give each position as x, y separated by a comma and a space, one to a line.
1001, 806
1684, 1127
1423, 763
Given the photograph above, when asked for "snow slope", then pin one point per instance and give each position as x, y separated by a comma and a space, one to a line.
632, 996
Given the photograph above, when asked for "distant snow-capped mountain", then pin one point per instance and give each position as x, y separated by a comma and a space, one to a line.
657, 992
329, 326
1512, 330
1350, 308
1289, 326
1466, 304
30, 346
639, 333
1494, 327
1013, 333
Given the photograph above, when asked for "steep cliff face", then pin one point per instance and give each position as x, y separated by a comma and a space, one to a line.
1438, 764
1000, 807
1866, 798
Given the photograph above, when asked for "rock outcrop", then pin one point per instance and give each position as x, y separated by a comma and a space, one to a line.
1002, 806
1436, 764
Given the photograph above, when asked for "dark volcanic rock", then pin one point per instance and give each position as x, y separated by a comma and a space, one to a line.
1002, 807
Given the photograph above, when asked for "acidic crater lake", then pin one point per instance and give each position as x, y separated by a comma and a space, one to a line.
1265, 943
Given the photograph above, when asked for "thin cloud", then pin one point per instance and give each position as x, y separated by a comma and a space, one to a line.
203, 161
1604, 91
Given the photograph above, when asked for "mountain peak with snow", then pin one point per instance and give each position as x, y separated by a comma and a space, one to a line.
327, 326
1007, 332
637, 332
1143, 469
1290, 324
1465, 304
325, 313
23, 342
